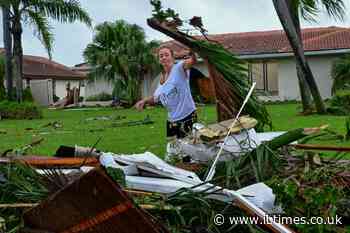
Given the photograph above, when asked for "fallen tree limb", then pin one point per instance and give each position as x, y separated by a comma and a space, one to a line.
227, 74
292, 136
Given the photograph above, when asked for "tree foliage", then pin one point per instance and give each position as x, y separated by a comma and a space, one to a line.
120, 53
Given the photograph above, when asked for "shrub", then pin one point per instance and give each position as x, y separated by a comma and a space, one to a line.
2, 93
14, 110
100, 97
27, 95
340, 103
341, 73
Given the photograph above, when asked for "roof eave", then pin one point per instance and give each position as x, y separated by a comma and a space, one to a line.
290, 54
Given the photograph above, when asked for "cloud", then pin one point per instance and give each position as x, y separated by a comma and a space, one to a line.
220, 16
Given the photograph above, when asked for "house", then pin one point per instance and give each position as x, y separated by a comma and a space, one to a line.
271, 62
47, 78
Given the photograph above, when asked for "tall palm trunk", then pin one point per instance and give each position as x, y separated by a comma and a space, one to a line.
8, 51
305, 93
285, 17
18, 56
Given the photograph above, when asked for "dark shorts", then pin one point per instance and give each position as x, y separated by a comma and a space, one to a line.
182, 127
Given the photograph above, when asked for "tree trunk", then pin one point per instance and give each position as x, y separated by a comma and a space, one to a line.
305, 93
8, 51
285, 17
18, 56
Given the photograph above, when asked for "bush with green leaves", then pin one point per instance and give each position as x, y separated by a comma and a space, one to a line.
340, 102
341, 73
24, 110
100, 97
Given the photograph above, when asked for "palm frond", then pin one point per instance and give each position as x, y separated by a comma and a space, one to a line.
43, 30
65, 11
309, 9
334, 8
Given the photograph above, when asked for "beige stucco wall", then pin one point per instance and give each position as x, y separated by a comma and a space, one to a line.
288, 81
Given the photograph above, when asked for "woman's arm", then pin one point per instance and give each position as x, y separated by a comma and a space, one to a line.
141, 104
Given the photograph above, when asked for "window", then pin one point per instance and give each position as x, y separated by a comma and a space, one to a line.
265, 74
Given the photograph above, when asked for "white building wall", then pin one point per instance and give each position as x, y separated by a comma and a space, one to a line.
97, 87
288, 81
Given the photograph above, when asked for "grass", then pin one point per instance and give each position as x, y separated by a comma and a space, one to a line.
77, 130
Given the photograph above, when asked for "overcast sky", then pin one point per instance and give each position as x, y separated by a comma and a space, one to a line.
219, 16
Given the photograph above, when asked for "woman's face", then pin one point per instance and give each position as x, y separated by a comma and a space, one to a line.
165, 57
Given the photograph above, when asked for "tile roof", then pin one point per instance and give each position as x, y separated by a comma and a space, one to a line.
35, 67
275, 41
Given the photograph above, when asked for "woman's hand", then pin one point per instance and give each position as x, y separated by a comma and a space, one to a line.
140, 105
190, 61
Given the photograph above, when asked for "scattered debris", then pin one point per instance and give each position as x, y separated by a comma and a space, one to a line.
23, 150
2, 131
105, 118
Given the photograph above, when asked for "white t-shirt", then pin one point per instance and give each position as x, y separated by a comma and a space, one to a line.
175, 94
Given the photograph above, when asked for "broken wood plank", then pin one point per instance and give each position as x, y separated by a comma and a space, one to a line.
52, 162
321, 147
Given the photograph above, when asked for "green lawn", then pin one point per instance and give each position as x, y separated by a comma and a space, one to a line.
76, 130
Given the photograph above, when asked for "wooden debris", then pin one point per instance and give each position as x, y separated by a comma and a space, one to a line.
52, 162
321, 147
219, 130
93, 203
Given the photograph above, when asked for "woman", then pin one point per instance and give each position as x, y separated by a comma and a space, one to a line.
174, 93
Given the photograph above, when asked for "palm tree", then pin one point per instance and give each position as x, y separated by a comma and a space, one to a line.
119, 53
8, 53
307, 10
36, 14
288, 12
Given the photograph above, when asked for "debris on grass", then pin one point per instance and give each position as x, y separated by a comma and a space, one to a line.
24, 149
54, 125
146, 121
